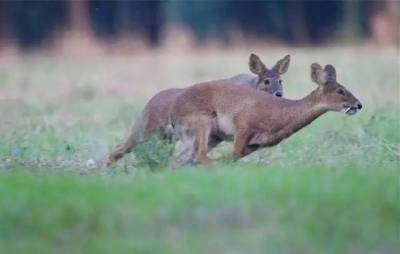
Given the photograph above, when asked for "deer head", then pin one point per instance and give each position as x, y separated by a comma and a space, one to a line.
333, 95
269, 80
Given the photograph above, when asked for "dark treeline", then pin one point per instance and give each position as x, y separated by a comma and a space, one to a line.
290, 21
109, 18
36, 23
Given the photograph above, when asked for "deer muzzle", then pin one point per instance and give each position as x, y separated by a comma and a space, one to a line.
352, 109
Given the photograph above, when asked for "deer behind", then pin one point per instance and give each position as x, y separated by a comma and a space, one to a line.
253, 120
156, 116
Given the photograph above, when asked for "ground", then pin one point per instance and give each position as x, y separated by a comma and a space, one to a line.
331, 188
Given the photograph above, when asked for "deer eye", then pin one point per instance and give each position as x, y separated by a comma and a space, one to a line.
266, 82
340, 91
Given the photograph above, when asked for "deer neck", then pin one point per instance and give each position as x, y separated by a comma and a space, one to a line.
301, 113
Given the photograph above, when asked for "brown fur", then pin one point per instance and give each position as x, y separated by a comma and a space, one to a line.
252, 119
155, 118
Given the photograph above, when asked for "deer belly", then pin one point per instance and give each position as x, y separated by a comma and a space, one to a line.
225, 125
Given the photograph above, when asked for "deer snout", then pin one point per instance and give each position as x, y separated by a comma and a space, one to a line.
278, 94
352, 108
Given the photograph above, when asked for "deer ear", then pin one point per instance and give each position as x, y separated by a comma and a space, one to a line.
317, 74
330, 72
256, 66
283, 65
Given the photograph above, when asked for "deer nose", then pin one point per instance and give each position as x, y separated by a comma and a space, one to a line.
278, 94
359, 105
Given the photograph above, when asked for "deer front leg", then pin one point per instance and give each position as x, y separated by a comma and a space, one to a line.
240, 146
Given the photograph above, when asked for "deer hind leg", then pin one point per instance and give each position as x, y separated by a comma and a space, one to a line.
119, 151
194, 136
187, 154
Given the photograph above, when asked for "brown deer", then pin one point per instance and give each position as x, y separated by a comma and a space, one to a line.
156, 116
253, 120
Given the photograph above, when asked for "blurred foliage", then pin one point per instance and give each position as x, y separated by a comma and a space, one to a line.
32, 23
154, 154
108, 18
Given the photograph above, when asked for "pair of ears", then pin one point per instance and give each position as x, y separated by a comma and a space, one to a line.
258, 67
322, 76
318, 75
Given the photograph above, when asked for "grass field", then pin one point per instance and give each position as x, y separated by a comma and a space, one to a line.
331, 188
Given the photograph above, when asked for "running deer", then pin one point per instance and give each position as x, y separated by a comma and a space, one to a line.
253, 120
156, 116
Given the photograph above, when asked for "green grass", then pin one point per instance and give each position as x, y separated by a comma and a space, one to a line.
231, 208
333, 187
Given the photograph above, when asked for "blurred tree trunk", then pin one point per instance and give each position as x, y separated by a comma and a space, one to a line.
78, 37
384, 22
296, 21
78, 17
350, 26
